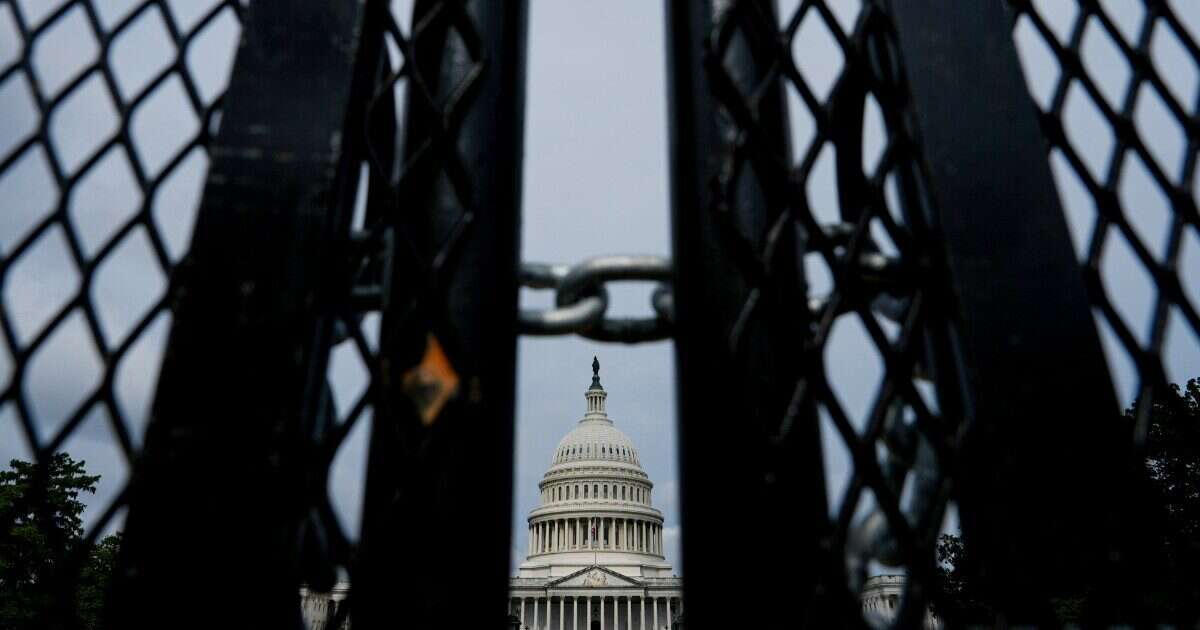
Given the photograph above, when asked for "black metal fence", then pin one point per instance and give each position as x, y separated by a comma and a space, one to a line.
362, 196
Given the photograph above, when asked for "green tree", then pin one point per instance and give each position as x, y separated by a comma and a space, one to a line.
42, 545
956, 598
1173, 468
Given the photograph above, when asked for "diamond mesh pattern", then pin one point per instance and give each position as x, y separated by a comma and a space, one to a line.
109, 107
853, 192
384, 322
114, 106
1122, 131
1116, 88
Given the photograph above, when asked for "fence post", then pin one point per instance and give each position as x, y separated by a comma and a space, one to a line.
1044, 452
215, 501
439, 491
748, 478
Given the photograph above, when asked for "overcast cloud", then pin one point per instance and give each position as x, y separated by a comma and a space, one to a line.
595, 183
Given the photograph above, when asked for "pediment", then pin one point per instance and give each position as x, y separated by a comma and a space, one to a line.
595, 577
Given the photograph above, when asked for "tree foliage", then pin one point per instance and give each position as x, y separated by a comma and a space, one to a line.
1173, 468
957, 597
42, 549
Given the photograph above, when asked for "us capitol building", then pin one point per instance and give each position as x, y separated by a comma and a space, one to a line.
595, 557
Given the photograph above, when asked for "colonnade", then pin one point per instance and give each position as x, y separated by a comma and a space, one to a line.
614, 612
595, 532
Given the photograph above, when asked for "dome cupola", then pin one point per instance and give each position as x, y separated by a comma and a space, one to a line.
595, 505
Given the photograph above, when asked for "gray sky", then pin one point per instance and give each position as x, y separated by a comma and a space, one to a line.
595, 183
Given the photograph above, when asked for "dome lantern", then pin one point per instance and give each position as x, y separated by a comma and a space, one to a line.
595, 396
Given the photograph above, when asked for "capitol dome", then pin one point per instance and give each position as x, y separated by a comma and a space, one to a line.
595, 503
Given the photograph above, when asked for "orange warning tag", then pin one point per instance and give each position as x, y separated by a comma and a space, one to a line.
431, 383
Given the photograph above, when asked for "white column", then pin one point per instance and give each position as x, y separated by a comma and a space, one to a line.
562, 605
522, 612
668, 612
655, 603
588, 622
629, 613
535, 611
643, 626
575, 614
602, 613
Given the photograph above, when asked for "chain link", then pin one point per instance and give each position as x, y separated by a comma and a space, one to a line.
581, 294
581, 299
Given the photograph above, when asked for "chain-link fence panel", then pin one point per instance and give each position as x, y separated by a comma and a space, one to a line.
109, 112
867, 179
806, 186
1117, 96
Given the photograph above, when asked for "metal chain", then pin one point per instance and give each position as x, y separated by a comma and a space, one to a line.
581, 294
581, 299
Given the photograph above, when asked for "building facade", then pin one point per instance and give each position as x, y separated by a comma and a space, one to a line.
595, 558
